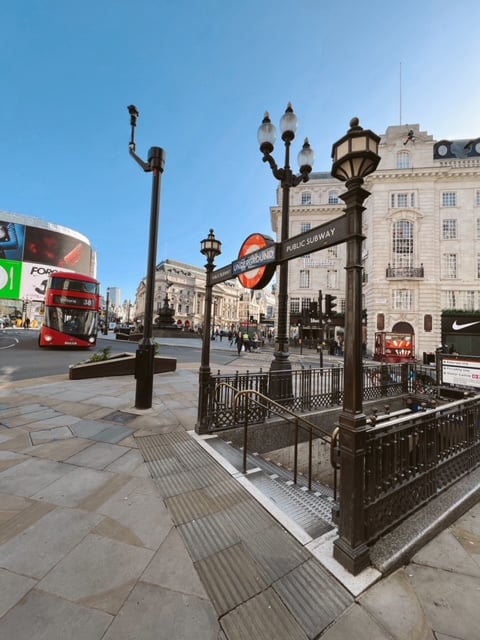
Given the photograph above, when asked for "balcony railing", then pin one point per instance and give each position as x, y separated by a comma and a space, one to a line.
405, 272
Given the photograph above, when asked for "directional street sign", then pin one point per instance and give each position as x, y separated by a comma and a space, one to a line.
222, 274
320, 237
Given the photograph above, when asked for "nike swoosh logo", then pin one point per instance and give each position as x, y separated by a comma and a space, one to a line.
457, 327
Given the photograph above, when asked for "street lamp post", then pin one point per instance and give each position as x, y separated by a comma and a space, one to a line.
211, 248
280, 383
145, 355
107, 305
354, 157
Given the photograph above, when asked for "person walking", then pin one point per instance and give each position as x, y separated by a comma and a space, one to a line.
239, 342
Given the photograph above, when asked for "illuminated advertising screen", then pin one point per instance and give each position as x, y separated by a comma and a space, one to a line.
29, 254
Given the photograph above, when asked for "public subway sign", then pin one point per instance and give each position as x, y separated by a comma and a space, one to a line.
256, 261
321, 237
259, 255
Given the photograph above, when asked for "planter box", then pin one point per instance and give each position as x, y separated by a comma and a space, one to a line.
122, 364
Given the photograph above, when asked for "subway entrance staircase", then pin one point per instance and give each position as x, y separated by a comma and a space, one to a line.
308, 512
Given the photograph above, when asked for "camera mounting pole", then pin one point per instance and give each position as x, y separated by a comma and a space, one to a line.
145, 355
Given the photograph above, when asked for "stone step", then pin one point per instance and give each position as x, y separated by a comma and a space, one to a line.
311, 510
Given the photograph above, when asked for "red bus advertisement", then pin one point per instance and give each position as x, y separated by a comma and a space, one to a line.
394, 347
72, 308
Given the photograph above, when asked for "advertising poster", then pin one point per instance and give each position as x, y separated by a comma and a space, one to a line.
44, 246
34, 280
10, 279
11, 240
29, 254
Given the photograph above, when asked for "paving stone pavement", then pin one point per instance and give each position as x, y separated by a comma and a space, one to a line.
116, 524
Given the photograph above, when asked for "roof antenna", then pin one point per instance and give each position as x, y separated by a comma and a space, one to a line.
400, 94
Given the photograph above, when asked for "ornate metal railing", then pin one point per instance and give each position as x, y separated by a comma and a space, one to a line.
411, 459
244, 405
311, 389
405, 272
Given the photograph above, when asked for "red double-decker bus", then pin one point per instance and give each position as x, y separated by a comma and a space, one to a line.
72, 308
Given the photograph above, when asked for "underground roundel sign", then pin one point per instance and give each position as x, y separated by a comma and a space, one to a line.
256, 261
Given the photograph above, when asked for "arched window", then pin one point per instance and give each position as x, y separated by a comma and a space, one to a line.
402, 244
403, 160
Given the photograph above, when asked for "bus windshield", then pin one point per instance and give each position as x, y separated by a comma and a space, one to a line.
72, 321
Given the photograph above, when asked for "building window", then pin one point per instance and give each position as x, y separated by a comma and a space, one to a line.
477, 198
294, 305
478, 228
451, 300
403, 160
449, 266
332, 279
306, 304
333, 197
449, 229
304, 279
449, 199
403, 200
332, 252
305, 226
401, 299
478, 265
402, 244
469, 300
306, 197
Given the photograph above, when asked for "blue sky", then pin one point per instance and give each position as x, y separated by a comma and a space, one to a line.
202, 73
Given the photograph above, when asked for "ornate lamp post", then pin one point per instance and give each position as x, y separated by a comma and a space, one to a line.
211, 248
266, 137
355, 156
145, 355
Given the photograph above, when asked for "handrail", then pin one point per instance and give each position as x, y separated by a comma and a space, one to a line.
299, 421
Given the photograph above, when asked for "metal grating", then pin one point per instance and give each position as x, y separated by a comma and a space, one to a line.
122, 417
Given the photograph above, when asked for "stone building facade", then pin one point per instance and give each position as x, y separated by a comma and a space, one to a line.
421, 253
183, 286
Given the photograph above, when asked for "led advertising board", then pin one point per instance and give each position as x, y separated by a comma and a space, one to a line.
28, 254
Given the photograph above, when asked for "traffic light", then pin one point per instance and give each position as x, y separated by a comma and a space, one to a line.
330, 304
314, 310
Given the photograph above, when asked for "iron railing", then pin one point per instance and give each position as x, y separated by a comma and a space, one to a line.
405, 272
245, 404
312, 389
411, 459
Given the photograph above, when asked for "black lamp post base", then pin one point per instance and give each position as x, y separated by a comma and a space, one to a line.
280, 386
144, 369
202, 419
